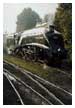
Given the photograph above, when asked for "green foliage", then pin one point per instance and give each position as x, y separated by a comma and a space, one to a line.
63, 23
63, 20
27, 19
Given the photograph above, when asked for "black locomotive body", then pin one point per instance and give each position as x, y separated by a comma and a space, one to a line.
51, 51
57, 48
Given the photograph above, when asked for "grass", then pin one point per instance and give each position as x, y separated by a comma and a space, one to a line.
51, 74
36, 68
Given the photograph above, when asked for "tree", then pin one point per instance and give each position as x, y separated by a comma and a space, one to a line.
63, 20
48, 18
63, 23
27, 19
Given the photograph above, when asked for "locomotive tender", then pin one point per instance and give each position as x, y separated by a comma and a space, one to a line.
40, 44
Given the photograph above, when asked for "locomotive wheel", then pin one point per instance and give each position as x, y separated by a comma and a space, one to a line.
18, 52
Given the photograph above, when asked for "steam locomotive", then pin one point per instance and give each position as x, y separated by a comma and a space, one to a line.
40, 44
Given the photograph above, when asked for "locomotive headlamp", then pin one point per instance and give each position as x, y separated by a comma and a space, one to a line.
59, 49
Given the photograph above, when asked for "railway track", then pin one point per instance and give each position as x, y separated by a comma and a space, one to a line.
11, 95
27, 94
35, 90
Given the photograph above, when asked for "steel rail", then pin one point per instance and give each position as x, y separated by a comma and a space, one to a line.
42, 83
14, 88
50, 96
18, 79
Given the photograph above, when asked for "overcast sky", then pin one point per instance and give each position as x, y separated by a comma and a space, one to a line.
10, 12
